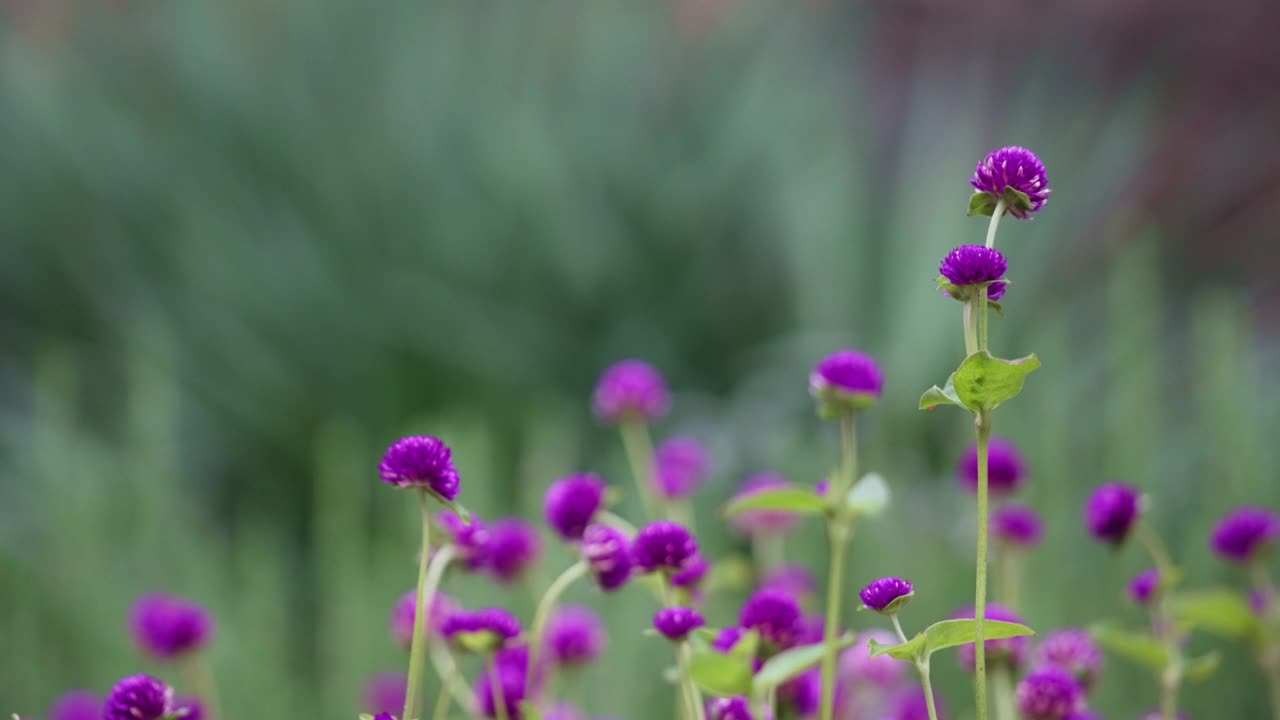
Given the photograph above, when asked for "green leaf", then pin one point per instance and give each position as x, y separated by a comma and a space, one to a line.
1202, 668
787, 665
731, 573
996, 306
935, 396
868, 497
793, 498
721, 674
1139, 647
983, 382
747, 646
982, 204
908, 651
1016, 199
950, 633
366, 716
1219, 611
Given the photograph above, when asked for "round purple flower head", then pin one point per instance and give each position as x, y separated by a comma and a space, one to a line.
886, 594
913, 705
803, 693
191, 706
138, 697
511, 667
77, 705
1011, 651
790, 578
763, 522
608, 552
514, 546
1048, 693
571, 502
775, 614
1017, 525
420, 461
1005, 468
384, 716
471, 540
1011, 168
480, 631
695, 569
857, 666
973, 265
680, 466
677, 622
663, 547
729, 708
385, 692
844, 381
1075, 651
631, 388
1143, 586
1243, 533
166, 626
575, 636
1112, 511
402, 615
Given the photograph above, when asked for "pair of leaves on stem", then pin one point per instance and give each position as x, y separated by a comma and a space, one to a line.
981, 383
730, 674
867, 498
945, 634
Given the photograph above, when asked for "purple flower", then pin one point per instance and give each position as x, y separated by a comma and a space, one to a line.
471, 540
763, 522
680, 466
1017, 525
1005, 468
882, 593
727, 638
167, 626
385, 692
973, 265
1048, 693
791, 578
563, 711
803, 693
138, 697
1244, 532
1082, 714
575, 636
1112, 511
913, 705
511, 667
677, 622
729, 708
1012, 168
420, 461
1075, 651
571, 502
384, 716
402, 615
1259, 602
663, 546
1144, 585
695, 569
775, 614
608, 552
482, 630
191, 706
1011, 651
514, 546
857, 665
77, 705
631, 388
844, 381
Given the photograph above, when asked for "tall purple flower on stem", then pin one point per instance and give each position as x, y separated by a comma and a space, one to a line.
190, 707
166, 626
514, 547
385, 692
470, 539
1017, 525
1112, 512
775, 614
504, 682
1010, 651
675, 623
1073, 650
575, 636
1244, 533
138, 697
572, 502
681, 465
608, 554
631, 388
695, 569
1144, 586
1048, 693
1006, 469
1013, 174
886, 595
663, 547
77, 705
844, 381
763, 522
482, 630
969, 265
421, 461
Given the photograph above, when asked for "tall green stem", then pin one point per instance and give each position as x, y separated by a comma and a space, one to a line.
442, 700
692, 696
849, 448
838, 534
543, 613
995, 222
970, 329
983, 426
418, 644
1171, 678
1008, 583
1004, 700
639, 448
922, 667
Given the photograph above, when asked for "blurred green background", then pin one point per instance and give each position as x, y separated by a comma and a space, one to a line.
245, 245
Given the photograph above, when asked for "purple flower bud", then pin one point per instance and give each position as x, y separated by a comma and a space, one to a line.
1244, 532
676, 623
512, 677
913, 705
663, 547
166, 626
1048, 693
571, 502
191, 706
857, 665
1014, 168
514, 546
1011, 651
1144, 585
385, 692
729, 708
803, 694
471, 540
1112, 511
680, 466
790, 578
420, 461
1005, 468
973, 265
575, 636
1075, 651
1017, 525
608, 552
880, 594
695, 569
775, 614
406, 608
763, 522
845, 381
138, 697
631, 388
480, 631
77, 705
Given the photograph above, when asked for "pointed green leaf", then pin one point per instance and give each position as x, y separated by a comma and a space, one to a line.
1219, 611
747, 646
1017, 200
983, 381
793, 498
1202, 668
1139, 647
787, 665
996, 306
910, 650
868, 497
982, 204
721, 674
950, 633
935, 396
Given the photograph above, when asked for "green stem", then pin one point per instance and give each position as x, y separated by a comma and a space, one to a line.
838, 534
447, 670
496, 689
418, 645
995, 222
639, 448
692, 696
983, 427
922, 667
1171, 678
848, 449
442, 700
1003, 679
1159, 553
1008, 585
970, 329
543, 613
198, 676
982, 318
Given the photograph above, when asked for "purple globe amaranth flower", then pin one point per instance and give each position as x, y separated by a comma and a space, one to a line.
1112, 512
571, 502
1006, 470
482, 630
190, 707
1010, 168
727, 638
512, 679
1073, 650
420, 461
384, 716
677, 622
729, 708
514, 547
1143, 586
1017, 525
663, 547
857, 665
470, 539
406, 608
1048, 693
844, 381
886, 595
803, 693
811, 629
973, 265
763, 522
138, 697
385, 692
775, 614
77, 705
1009, 651
1244, 533
631, 389
695, 569
608, 553
575, 636
791, 578
913, 705
681, 464
166, 626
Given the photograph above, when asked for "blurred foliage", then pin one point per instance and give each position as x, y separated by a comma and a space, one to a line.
246, 245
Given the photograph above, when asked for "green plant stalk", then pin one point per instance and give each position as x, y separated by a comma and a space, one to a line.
496, 689
442, 700
1002, 677
838, 532
995, 222
1008, 582
1268, 650
639, 449
922, 667
983, 426
418, 645
543, 614
689, 690
199, 679
1171, 678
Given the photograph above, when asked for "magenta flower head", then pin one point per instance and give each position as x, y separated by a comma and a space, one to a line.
420, 461
802, 694
695, 569
77, 705
138, 697
166, 627
1048, 693
1075, 651
845, 381
1013, 174
511, 667
676, 623
1244, 533
631, 389
763, 522
575, 636
514, 547
1006, 469
189, 707
1010, 651
729, 708
790, 578
776, 615
470, 539
858, 667
681, 464
563, 711
1082, 714
663, 547
406, 608
1017, 525
1112, 512
571, 502
480, 631
385, 692
1143, 586
970, 266
887, 595
384, 716
608, 553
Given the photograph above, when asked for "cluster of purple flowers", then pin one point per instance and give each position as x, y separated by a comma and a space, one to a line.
1065, 668
1013, 524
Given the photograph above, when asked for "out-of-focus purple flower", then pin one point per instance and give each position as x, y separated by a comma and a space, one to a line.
138, 697
844, 381
514, 546
421, 461
1243, 533
384, 716
1011, 651
481, 630
563, 711
402, 615
803, 693
575, 636
663, 547
857, 665
729, 708
973, 265
1073, 650
1015, 168
1112, 512
471, 540
995, 290
1082, 714
763, 522
1143, 586
811, 629
77, 705
631, 388
1259, 603
695, 569
880, 594
511, 681
680, 466
608, 552
385, 692
727, 638
794, 579
1048, 693
1006, 469
190, 707
166, 626
775, 614
571, 502
677, 622
913, 705
1017, 525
